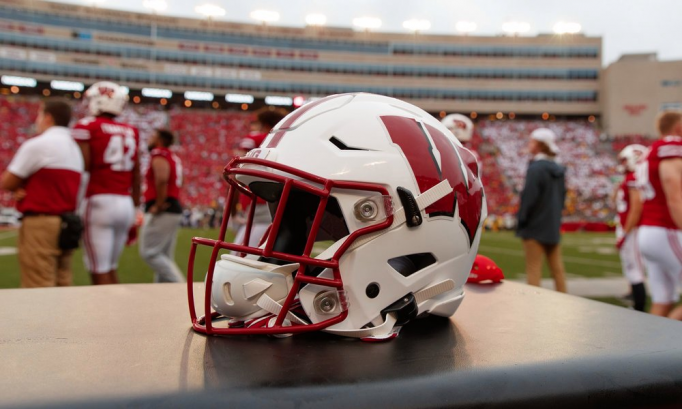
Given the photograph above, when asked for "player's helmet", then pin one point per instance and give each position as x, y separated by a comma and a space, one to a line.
106, 98
630, 155
460, 125
397, 200
485, 270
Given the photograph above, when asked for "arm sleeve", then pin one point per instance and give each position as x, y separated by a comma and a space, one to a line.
530, 194
27, 160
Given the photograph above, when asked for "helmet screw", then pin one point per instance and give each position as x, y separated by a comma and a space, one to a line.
327, 304
416, 219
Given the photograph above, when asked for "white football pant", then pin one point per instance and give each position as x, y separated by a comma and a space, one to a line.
106, 221
661, 251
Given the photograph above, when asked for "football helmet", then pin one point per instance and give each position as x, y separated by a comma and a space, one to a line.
630, 155
485, 270
106, 97
376, 217
460, 125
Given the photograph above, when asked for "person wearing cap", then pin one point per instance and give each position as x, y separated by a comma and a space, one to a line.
542, 202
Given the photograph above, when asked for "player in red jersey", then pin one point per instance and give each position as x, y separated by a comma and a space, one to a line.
163, 210
110, 152
629, 208
659, 179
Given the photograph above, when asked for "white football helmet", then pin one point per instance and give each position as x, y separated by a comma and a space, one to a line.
385, 187
630, 155
460, 125
106, 97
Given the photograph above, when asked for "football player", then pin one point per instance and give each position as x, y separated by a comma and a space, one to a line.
629, 208
463, 129
163, 208
110, 152
659, 179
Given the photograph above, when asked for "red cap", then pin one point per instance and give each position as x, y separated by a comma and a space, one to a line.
484, 269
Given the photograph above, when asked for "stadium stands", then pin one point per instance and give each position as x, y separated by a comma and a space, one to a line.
207, 138
591, 167
16, 121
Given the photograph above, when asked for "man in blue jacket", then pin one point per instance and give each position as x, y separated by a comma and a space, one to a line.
542, 202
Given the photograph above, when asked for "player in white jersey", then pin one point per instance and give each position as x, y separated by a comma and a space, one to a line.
629, 208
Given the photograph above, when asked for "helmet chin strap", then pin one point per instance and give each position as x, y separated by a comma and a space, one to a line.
386, 330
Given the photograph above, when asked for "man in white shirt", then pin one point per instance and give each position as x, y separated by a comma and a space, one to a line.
45, 176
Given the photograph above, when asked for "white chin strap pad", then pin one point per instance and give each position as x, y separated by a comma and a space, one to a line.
238, 284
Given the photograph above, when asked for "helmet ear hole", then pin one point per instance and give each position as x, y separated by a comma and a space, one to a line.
372, 290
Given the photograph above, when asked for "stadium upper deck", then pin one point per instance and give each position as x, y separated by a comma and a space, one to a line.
525, 75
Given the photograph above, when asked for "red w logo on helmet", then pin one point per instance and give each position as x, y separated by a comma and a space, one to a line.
109, 92
431, 162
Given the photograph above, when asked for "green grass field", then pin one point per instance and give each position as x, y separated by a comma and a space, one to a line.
585, 254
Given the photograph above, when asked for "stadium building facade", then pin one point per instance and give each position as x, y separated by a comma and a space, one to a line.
559, 75
636, 88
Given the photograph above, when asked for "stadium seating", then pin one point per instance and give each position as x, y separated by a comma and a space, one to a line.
591, 166
207, 139
17, 116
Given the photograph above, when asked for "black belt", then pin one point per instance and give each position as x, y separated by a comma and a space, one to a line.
36, 214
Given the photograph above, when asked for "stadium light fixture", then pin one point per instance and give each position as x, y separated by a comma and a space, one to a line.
19, 81
316, 20
466, 27
198, 96
67, 85
515, 27
156, 93
299, 100
278, 100
367, 23
416, 25
239, 98
209, 10
265, 16
565, 27
156, 6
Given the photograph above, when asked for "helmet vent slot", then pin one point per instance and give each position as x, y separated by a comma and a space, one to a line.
342, 146
228, 296
412, 263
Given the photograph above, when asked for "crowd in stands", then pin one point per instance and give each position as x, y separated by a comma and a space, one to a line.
207, 138
591, 166
17, 116
206, 143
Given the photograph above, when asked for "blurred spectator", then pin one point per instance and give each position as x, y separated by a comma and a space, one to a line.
45, 176
542, 201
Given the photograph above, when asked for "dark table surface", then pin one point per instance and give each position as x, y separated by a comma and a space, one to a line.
509, 345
